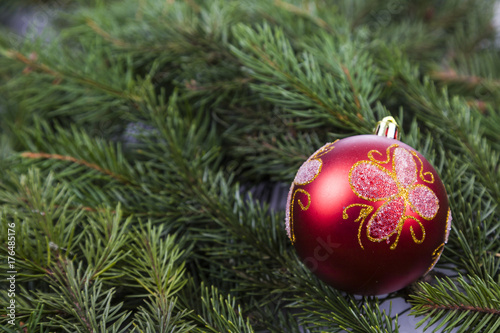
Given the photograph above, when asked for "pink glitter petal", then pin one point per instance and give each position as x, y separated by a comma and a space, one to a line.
448, 227
385, 220
372, 182
287, 215
423, 201
405, 167
308, 171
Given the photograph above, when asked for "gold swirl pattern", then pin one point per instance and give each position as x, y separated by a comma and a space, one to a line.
306, 207
363, 214
435, 256
415, 239
423, 174
324, 150
388, 154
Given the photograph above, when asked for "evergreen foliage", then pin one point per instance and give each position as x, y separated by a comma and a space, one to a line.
131, 133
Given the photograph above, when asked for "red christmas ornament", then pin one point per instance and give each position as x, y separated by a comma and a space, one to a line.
368, 214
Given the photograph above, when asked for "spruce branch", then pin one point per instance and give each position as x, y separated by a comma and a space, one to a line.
104, 245
50, 225
32, 324
273, 155
257, 86
155, 262
221, 314
322, 306
161, 316
471, 303
215, 198
309, 83
87, 307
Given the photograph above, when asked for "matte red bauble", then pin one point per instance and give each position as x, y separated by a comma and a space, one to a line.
368, 214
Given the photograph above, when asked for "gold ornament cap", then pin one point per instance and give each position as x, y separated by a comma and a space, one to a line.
388, 127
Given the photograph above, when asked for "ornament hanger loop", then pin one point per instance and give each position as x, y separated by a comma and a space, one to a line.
388, 127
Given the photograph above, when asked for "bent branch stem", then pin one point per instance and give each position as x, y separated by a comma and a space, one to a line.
75, 160
472, 81
461, 307
33, 64
63, 277
98, 30
301, 12
353, 88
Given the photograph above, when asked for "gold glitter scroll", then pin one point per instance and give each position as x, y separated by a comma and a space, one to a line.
363, 214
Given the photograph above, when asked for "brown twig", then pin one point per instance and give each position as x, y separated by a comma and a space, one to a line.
482, 106
193, 5
353, 88
462, 307
32, 64
81, 313
299, 11
493, 253
74, 160
97, 29
452, 76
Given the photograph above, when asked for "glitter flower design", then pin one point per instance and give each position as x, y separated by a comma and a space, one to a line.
306, 174
398, 188
448, 226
